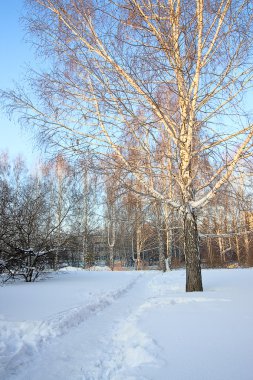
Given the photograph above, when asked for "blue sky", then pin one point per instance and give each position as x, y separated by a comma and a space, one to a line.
15, 53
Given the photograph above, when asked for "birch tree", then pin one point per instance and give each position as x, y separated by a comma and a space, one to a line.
111, 218
139, 70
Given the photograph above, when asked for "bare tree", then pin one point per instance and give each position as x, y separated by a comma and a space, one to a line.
145, 71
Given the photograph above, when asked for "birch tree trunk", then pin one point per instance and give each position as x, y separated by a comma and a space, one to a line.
111, 239
168, 227
59, 212
192, 255
238, 251
210, 251
221, 247
111, 227
85, 218
162, 262
159, 227
138, 246
246, 246
111, 256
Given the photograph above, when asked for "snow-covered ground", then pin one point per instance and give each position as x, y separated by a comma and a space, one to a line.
98, 325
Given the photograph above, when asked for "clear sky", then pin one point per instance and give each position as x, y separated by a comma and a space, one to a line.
15, 53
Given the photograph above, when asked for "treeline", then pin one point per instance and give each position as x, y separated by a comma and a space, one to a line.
74, 215
41, 217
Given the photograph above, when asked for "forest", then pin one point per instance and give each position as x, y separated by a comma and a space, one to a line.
63, 214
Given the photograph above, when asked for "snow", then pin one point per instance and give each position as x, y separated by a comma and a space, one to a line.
100, 268
103, 325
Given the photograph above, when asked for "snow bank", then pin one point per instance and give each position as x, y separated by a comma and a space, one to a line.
100, 268
70, 269
96, 268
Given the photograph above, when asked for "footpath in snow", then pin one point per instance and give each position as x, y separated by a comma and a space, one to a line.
81, 325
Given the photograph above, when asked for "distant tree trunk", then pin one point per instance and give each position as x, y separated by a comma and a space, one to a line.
246, 245
238, 252
168, 258
111, 199
158, 218
246, 239
85, 218
162, 263
210, 252
192, 255
111, 256
138, 247
85, 250
60, 172
111, 236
